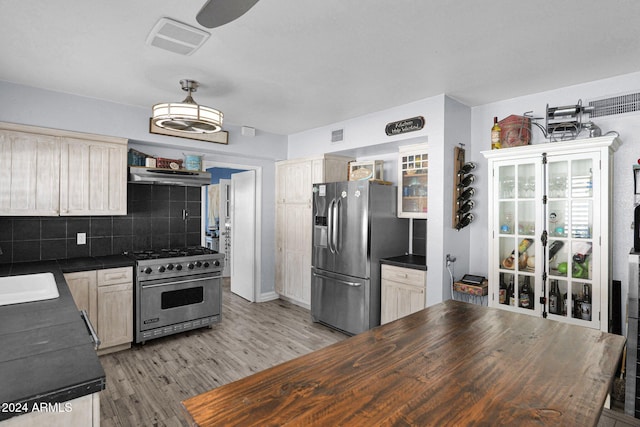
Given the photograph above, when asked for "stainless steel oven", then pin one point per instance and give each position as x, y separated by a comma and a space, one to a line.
176, 291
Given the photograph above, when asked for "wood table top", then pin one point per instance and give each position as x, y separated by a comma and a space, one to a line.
450, 364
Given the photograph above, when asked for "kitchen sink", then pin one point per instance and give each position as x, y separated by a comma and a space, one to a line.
27, 288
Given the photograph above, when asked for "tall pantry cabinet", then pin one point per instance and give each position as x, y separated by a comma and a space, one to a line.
549, 229
294, 180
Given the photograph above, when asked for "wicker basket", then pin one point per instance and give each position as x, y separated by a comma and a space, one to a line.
166, 163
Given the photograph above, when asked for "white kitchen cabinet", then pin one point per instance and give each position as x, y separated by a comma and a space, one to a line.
92, 174
413, 181
294, 179
29, 174
49, 172
552, 202
83, 411
402, 293
107, 296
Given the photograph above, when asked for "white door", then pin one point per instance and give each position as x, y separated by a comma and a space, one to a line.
243, 236
225, 225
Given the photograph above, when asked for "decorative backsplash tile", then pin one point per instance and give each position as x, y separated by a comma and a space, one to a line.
154, 220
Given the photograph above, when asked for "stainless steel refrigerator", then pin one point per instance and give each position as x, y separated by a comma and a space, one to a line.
355, 224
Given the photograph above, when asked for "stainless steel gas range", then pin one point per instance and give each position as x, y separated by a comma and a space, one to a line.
176, 290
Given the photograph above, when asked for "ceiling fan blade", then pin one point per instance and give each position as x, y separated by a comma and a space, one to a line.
219, 12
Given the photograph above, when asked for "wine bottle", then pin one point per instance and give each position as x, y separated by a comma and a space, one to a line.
466, 168
464, 221
510, 293
495, 135
466, 194
564, 304
525, 297
554, 297
554, 247
586, 303
502, 293
466, 181
465, 207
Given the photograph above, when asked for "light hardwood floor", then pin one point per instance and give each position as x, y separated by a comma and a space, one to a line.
146, 384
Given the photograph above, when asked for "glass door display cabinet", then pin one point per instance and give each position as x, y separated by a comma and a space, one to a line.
549, 230
413, 181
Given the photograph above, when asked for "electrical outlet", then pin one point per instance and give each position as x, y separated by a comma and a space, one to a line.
81, 238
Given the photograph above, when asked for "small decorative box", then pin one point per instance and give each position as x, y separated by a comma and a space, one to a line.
367, 170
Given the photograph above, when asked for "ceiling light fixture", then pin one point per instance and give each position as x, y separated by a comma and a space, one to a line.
187, 116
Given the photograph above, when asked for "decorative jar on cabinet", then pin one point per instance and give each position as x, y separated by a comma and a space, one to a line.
549, 229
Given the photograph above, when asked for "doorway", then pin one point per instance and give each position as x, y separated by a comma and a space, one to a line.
245, 257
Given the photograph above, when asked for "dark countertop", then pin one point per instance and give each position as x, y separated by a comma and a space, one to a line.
417, 262
47, 354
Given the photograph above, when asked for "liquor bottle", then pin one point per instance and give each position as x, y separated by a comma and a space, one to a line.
525, 293
466, 168
465, 207
524, 245
585, 307
466, 194
554, 298
495, 135
564, 304
466, 181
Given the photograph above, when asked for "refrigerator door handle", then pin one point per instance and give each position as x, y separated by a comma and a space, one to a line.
330, 227
344, 282
337, 232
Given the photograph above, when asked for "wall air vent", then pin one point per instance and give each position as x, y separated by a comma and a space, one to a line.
176, 37
337, 136
615, 105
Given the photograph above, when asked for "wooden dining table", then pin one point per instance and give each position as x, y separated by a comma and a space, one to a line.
451, 364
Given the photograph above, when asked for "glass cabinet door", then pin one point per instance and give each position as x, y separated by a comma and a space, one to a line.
571, 289
517, 192
413, 184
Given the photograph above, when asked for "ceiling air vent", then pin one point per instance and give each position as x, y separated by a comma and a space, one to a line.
337, 135
615, 105
176, 37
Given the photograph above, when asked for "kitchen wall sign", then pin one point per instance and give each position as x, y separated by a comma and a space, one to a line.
404, 126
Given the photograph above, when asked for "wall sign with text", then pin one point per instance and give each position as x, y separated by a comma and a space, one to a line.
404, 126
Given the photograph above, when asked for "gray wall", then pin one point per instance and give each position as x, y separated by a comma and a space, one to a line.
39, 107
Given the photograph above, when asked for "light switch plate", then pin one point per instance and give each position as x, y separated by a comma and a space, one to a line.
81, 238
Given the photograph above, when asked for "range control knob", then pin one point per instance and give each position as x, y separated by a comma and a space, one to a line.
190, 266
198, 264
169, 267
216, 263
161, 269
148, 270
178, 267
205, 264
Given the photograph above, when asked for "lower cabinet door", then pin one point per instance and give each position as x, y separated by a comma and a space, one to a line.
399, 300
115, 314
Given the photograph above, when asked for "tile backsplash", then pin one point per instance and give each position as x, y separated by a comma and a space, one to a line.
154, 220
420, 237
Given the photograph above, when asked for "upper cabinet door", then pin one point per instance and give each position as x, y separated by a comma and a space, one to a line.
413, 181
93, 178
29, 174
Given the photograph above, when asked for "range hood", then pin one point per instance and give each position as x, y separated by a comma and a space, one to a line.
142, 175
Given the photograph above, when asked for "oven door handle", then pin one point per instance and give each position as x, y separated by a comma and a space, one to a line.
92, 331
178, 282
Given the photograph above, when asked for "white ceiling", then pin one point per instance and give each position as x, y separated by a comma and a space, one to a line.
292, 65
